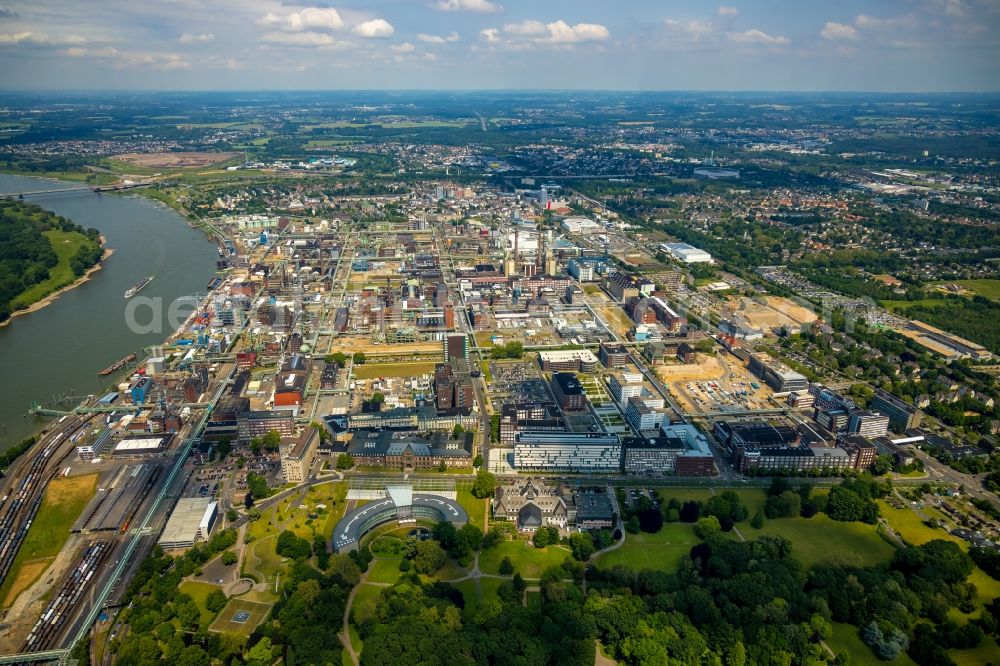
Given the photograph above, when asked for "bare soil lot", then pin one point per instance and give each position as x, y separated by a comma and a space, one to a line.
175, 160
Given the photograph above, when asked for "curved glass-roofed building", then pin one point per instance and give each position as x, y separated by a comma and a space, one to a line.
401, 504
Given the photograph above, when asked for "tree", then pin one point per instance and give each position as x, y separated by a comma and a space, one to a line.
506, 567
193, 655
292, 546
519, 585
650, 519
544, 536
223, 447
258, 487
321, 430
477, 462
484, 485
339, 358
442, 467
216, 600
359, 358
345, 461
260, 654
457, 431
758, 520
690, 512
707, 526
581, 545
787, 504
428, 557
232, 515
229, 558
632, 525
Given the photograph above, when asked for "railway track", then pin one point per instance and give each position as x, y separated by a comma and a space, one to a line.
50, 626
20, 505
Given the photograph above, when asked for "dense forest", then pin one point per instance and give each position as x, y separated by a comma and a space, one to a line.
730, 602
975, 319
27, 255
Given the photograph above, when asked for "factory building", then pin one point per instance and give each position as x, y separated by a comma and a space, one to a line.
191, 520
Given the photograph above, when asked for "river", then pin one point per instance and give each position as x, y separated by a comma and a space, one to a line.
59, 349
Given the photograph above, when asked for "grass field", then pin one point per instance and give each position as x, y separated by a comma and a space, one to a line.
529, 561
225, 623
62, 503
477, 508
820, 539
199, 592
374, 370
384, 570
923, 302
908, 525
65, 244
846, 639
986, 288
662, 551
475, 596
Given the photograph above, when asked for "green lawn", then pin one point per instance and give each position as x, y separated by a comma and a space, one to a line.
62, 503
752, 498
384, 570
663, 551
923, 302
474, 596
909, 526
820, 539
529, 561
986, 288
987, 653
366, 594
477, 508
199, 592
65, 244
846, 639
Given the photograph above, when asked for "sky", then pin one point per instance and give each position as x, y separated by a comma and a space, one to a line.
794, 45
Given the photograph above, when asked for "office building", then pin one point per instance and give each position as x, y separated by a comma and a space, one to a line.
613, 356
531, 504
568, 360
902, 417
456, 346
777, 375
678, 449
868, 424
568, 391
641, 416
567, 452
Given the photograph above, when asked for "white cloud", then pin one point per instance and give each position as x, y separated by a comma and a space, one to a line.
478, 6
188, 38
557, 32
298, 39
755, 36
39, 38
78, 52
836, 32
405, 47
955, 8
438, 39
163, 62
490, 34
6, 13
310, 18
864, 21
693, 28
373, 29
723, 10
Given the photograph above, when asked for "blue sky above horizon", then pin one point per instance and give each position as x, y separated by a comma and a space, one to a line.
794, 45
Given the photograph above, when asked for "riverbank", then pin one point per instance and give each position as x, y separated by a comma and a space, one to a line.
54, 296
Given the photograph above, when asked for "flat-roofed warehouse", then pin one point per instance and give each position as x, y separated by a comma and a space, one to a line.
191, 520
145, 445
